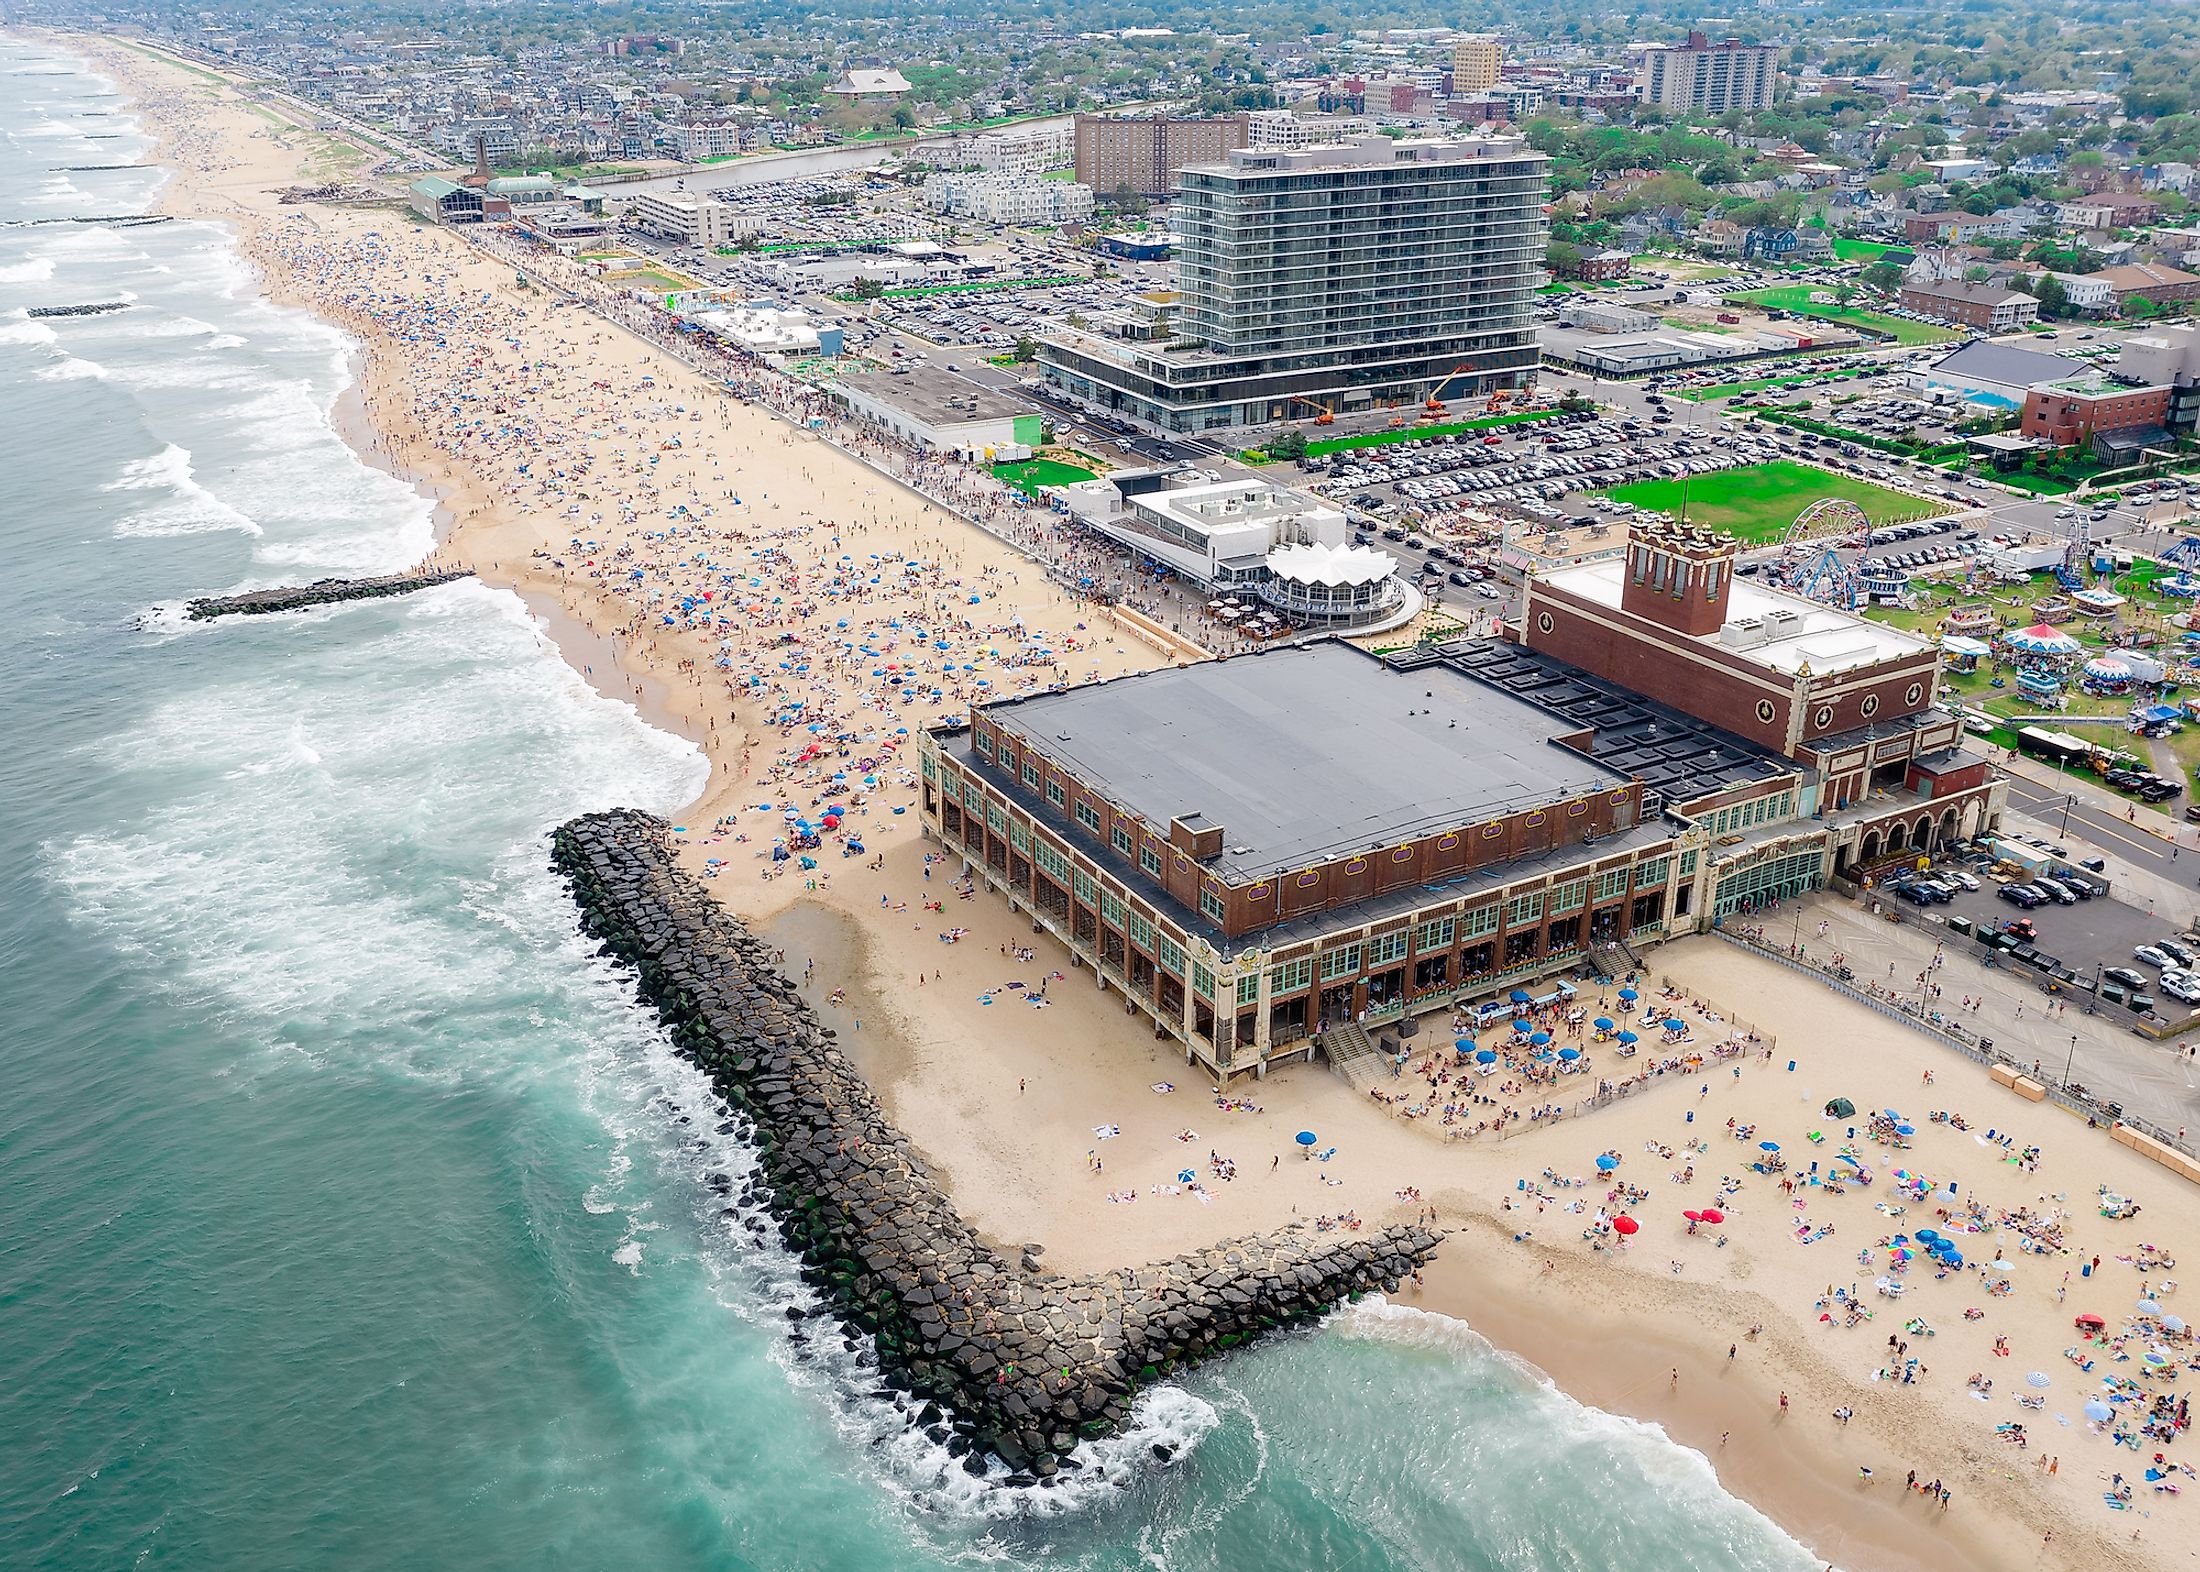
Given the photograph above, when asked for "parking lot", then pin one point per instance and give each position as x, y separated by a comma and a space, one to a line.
2071, 943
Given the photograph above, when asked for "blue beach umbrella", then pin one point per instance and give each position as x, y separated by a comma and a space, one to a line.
1604, 1023
1629, 995
2098, 1411
1185, 1176
1675, 1024
1307, 1138
1628, 1037
1769, 1146
1569, 1054
1523, 1027
1520, 996
2037, 1381
1539, 1039
1485, 1056
1607, 1163
1464, 1046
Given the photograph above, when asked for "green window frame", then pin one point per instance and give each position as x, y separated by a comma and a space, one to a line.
1203, 981
1478, 923
1524, 911
1291, 977
1344, 961
1055, 794
982, 744
1111, 907
1248, 990
1122, 840
973, 796
1031, 772
1385, 948
1141, 931
1688, 863
1611, 882
1017, 837
1084, 886
1150, 860
927, 767
1433, 936
1210, 903
1050, 862
1169, 953
996, 818
1089, 817
1651, 875
1567, 897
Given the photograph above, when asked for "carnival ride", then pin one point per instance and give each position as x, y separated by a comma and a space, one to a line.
1811, 563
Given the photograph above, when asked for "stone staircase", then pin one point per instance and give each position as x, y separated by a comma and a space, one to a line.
1353, 1055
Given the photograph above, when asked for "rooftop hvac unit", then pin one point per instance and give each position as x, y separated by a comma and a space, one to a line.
1742, 633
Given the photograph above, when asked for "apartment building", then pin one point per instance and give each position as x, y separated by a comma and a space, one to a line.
1475, 64
1008, 199
1145, 156
1701, 75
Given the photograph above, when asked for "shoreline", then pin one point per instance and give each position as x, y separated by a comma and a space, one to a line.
1796, 1477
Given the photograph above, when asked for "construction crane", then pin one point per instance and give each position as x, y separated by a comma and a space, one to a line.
1323, 415
1435, 405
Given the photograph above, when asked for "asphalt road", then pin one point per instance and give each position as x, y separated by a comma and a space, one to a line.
2068, 814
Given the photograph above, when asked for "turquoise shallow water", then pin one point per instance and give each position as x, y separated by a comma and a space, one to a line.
350, 1215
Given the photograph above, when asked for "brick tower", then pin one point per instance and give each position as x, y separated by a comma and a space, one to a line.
1679, 576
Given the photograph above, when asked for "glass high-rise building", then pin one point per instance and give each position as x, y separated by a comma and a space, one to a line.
1350, 277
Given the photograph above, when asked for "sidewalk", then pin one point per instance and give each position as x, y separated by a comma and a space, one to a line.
2155, 1082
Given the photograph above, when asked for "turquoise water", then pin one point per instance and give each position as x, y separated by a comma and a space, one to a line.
350, 1215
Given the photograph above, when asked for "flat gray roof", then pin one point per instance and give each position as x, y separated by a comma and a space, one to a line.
926, 391
1305, 753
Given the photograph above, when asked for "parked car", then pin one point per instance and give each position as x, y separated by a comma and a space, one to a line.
2149, 954
2124, 975
2178, 953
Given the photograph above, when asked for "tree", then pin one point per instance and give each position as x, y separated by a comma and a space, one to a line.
867, 289
1882, 275
1563, 258
1127, 200
1289, 443
2054, 299
1027, 348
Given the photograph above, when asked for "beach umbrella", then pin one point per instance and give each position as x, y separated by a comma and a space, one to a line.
1694, 1217
2037, 1379
2098, 1411
1307, 1138
1539, 1039
1523, 1027
2173, 1324
1624, 1225
1629, 995
1712, 1214
1905, 1129
2003, 1266
1607, 1163
1519, 996
1628, 1037
1768, 1146
1185, 1176
1463, 1044
1929, 1235
2158, 1356
1675, 1024
2149, 1307
1604, 1023
1485, 1056
1569, 1054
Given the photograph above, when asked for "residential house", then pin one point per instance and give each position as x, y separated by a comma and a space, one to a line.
2150, 281
1991, 308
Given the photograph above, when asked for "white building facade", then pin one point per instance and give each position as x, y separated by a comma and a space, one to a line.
1008, 199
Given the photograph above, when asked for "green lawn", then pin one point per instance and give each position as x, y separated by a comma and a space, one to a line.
1798, 381
975, 286
1029, 475
1860, 250
1758, 502
1795, 298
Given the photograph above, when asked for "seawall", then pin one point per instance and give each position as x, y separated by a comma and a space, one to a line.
321, 592
1024, 1362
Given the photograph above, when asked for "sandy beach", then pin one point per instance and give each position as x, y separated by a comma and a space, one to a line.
801, 613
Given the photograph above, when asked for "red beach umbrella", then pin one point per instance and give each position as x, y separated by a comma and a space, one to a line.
1712, 1214
1625, 1225
1694, 1217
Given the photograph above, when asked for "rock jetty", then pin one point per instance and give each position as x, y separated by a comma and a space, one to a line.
96, 309
322, 592
1023, 1362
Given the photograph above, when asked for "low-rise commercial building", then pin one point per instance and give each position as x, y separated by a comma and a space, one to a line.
2152, 281
694, 221
937, 409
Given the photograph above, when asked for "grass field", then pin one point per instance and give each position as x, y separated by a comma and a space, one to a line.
1859, 250
1758, 502
1384, 439
1796, 298
1029, 475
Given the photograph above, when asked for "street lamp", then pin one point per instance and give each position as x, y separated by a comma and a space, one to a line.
2073, 1059
2070, 800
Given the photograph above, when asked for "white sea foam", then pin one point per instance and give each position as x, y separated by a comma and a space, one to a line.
34, 271
188, 508
26, 330
70, 369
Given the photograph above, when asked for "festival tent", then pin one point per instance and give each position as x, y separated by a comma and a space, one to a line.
2041, 639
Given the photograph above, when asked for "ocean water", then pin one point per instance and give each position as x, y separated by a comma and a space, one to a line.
350, 1214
